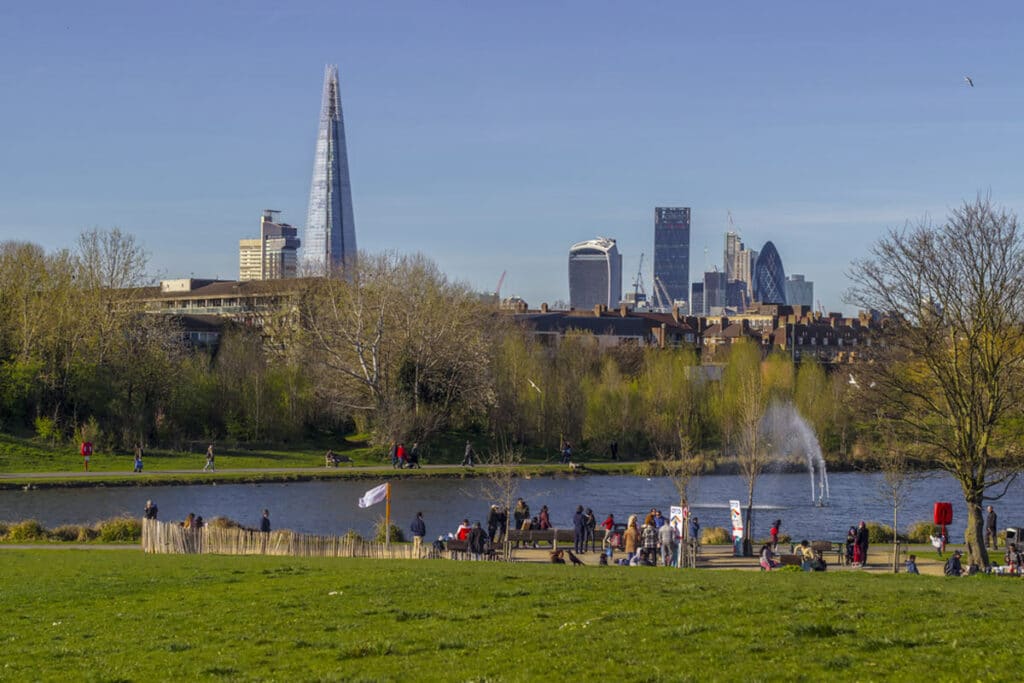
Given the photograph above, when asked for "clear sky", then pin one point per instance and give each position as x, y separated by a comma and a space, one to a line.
492, 136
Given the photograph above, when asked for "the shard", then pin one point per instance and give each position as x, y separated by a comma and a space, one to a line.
329, 243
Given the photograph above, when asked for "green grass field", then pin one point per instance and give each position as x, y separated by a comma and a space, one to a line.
122, 615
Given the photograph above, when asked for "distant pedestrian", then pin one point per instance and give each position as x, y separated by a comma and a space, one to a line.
467, 458
265, 522
462, 533
198, 524
609, 527
492, 524
400, 454
579, 530
394, 455
150, 511
860, 548
567, 453
413, 456
419, 530
138, 458
911, 566
694, 530
991, 529
589, 527
209, 459
667, 541
190, 520
476, 540
774, 533
649, 540
86, 451
544, 519
613, 448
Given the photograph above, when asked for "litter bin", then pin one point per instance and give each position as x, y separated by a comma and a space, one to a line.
1014, 534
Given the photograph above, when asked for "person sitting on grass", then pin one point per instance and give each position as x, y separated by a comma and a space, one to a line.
806, 555
1013, 558
767, 558
953, 566
911, 565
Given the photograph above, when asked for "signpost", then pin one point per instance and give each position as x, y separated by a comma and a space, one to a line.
737, 527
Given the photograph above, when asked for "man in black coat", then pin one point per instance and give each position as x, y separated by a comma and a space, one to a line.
862, 541
477, 541
991, 528
419, 530
579, 530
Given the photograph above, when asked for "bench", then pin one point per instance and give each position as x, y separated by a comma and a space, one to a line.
459, 550
790, 560
824, 547
534, 536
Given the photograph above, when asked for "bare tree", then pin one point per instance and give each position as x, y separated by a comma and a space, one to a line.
898, 478
950, 363
681, 466
501, 482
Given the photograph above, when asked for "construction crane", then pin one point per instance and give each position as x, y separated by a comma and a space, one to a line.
501, 281
638, 283
661, 294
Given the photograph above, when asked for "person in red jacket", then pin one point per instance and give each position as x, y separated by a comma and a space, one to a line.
463, 530
400, 454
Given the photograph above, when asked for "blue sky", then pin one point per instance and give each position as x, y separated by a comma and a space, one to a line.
493, 136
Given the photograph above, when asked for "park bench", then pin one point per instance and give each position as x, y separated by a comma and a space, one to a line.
790, 560
533, 536
825, 547
459, 550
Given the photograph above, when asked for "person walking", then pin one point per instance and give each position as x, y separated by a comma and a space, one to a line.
209, 459
138, 458
265, 522
589, 526
774, 533
860, 549
991, 528
609, 526
400, 454
667, 541
467, 459
521, 516
419, 530
631, 538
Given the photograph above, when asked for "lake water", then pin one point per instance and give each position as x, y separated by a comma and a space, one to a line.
330, 507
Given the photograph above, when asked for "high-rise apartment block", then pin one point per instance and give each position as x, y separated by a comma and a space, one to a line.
595, 274
329, 241
273, 256
799, 291
672, 251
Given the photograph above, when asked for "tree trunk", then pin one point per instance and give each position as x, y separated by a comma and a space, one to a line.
748, 546
974, 536
895, 542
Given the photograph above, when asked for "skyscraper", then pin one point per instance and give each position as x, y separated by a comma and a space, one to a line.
595, 274
769, 277
672, 250
329, 242
273, 255
799, 291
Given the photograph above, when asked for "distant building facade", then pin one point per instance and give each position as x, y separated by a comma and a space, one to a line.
799, 291
672, 250
329, 242
595, 274
273, 256
697, 299
769, 277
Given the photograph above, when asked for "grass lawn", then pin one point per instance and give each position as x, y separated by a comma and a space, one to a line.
122, 615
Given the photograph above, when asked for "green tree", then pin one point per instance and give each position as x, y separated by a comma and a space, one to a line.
949, 370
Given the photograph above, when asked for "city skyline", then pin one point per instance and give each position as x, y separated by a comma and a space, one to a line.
818, 127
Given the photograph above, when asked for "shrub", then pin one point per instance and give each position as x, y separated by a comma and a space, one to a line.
28, 530
120, 530
378, 533
352, 535
46, 429
223, 523
715, 535
73, 533
3, 529
881, 533
920, 532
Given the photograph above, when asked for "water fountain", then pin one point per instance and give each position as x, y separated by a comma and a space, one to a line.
791, 436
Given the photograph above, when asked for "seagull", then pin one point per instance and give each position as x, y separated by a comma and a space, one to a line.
969, 81
853, 380
533, 385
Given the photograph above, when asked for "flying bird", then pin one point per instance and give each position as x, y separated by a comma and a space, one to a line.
533, 385
970, 82
853, 380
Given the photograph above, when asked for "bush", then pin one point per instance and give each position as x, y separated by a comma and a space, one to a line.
74, 533
46, 429
352, 535
920, 532
223, 523
715, 535
120, 530
378, 533
28, 530
881, 533
3, 529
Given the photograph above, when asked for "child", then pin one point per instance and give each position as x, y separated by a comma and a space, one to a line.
912, 565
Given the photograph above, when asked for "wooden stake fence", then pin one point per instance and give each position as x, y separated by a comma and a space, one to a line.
171, 538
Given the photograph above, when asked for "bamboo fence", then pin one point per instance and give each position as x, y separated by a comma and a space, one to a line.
172, 538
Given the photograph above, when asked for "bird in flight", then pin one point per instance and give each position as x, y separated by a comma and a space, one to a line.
970, 81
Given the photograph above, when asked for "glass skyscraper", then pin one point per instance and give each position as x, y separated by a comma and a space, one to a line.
672, 250
329, 242
769, 277
595, 274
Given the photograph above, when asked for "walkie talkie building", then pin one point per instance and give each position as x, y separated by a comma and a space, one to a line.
329, 242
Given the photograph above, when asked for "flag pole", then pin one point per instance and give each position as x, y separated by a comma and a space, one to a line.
387, 517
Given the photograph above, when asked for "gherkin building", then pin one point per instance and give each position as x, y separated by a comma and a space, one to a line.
769, 277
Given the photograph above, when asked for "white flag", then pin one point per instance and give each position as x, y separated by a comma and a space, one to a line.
374, 496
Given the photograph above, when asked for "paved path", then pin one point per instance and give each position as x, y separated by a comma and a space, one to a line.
100, 474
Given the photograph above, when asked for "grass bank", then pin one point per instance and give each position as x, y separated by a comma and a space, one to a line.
127, 616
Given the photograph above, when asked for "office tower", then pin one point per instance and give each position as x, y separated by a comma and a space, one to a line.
736, 295
595, 274
271, 257
329, 242
769, 277
799, 292
672, 251
732, 261
697, 299
714, 291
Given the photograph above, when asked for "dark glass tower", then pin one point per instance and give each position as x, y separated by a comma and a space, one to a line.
672, 250
769, 277
329, 242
